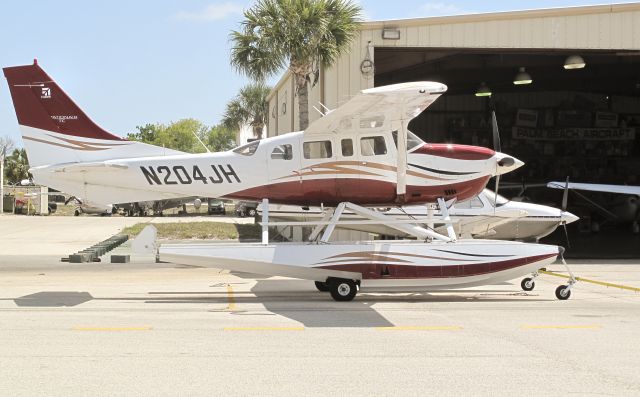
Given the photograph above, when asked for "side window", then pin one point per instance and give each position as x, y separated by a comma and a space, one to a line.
247, 150
347, 147
317, 150
282, 152
373, 146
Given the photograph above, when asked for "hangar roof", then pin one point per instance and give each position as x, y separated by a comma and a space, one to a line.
504, 15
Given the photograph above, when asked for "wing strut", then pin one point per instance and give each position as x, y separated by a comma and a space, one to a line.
401, 185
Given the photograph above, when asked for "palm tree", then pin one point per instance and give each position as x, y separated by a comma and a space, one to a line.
250, 106
17, 168
302, 35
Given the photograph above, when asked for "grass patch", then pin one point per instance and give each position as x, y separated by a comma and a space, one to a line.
199, 231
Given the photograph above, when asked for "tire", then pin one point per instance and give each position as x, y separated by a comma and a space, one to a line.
242, 214
527, 284
322, 286
252, 212
343, 290
76, 213
562, 293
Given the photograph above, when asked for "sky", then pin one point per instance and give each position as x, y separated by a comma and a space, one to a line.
128, 63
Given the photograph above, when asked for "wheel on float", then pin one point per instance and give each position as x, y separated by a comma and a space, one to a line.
343, 290
563, 292
322, 286
527, 284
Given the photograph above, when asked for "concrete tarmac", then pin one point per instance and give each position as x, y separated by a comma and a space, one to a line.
64, 235
161, 329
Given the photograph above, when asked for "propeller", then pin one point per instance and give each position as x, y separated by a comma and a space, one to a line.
565, 199
496, 147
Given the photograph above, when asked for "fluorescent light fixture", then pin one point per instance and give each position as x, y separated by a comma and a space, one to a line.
574, 62
483, 90
391, 34
522, 77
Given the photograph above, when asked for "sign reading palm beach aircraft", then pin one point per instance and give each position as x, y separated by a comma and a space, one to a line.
358, 155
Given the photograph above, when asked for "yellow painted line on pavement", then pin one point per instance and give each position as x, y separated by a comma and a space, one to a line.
561, 326
264, 328
421, 328
112, 328
586, 280
232, 300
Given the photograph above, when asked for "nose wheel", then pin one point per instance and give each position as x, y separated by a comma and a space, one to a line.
563, 292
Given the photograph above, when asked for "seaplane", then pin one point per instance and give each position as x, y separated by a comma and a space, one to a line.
358, 156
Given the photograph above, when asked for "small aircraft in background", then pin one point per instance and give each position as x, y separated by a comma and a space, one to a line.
358, 156
624, 210
481, 217
89, 207
143, 208
157, 208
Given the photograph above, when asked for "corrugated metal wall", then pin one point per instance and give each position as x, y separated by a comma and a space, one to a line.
594, 27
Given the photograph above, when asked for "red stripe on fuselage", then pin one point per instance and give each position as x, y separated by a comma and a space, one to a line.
332, 191
384, 271
458, 152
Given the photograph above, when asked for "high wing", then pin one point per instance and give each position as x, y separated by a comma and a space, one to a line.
380, 105
594, 187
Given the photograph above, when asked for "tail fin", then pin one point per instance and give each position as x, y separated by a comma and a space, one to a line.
55, 130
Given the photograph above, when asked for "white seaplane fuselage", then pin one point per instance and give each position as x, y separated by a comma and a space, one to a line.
287, 169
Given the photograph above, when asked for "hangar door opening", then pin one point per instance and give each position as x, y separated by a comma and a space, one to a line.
580, 122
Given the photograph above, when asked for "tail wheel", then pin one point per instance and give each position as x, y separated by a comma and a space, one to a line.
322, 286
563, 292
527, 284
343, 290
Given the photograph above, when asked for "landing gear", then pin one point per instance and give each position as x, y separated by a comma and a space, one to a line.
342, 290
321, 286
563, 292
527, 284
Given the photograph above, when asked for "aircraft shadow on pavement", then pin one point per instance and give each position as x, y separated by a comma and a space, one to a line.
53, 299
294, 299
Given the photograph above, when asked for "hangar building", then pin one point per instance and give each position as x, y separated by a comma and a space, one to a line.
575, 110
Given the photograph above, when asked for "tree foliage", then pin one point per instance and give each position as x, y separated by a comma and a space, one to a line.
17, 167
6, 144
220, 138
250, 107
301, 35
181, 135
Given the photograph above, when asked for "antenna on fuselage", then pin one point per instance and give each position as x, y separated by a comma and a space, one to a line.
202, 143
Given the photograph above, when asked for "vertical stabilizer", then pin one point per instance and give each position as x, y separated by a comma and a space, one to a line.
55, 130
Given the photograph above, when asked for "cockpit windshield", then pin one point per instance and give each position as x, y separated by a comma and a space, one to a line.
247, 150
413, 140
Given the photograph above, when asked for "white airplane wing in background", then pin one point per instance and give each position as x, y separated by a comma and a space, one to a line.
595, 187
377, 106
